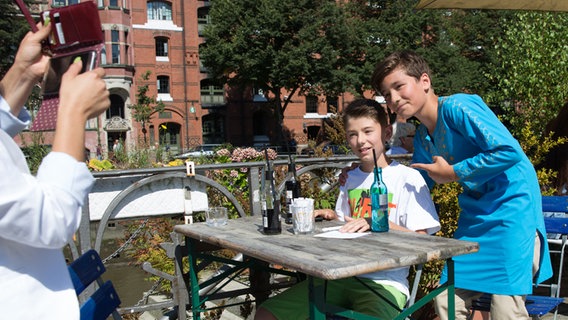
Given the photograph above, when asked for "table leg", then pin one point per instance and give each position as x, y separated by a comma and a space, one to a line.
316, 296
259, 279
193, 280
451, 290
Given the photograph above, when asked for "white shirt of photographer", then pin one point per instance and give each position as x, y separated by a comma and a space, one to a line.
38, 217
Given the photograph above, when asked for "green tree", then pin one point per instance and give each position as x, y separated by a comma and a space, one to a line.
13, 27
300, 46
458, 44
532, 70
530, 82
145, 105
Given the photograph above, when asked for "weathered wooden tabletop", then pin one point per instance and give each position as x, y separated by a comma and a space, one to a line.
323, 257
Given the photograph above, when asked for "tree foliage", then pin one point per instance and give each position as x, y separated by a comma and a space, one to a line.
13, 27
299, 46
532, 69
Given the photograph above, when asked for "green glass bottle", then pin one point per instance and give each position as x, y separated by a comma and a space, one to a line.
379, 203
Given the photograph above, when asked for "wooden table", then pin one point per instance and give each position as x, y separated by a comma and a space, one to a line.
323, 258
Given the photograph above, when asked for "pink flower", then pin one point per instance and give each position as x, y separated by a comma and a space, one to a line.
223, 153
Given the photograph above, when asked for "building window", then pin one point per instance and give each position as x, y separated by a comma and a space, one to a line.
116, 107
212, 93
158, 10
311, 104
115, 53
202, 19
113, 3
332, 104
103, 56
100, 3
61, 3
163, 84
161, 47
114, 36
115, 46
165, 115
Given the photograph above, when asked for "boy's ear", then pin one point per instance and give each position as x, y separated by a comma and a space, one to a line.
425, 81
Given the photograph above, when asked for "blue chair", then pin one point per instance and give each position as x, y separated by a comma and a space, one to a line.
86, 270
554, 209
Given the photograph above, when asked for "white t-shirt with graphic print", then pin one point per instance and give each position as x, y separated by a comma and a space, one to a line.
410, 206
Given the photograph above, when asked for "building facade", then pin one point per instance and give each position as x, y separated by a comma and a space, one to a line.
161, 39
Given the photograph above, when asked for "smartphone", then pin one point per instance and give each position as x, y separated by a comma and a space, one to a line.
59, 65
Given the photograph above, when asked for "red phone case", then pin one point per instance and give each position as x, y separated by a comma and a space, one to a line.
75, 28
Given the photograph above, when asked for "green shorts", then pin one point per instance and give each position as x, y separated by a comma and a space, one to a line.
347, 293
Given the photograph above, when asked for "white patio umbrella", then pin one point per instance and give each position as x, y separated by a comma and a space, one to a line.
541, 5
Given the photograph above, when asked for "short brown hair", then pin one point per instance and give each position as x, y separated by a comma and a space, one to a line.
409, 61
365, 108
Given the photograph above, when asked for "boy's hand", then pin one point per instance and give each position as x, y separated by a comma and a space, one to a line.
345, 173
355, 225
326, 214
439, 170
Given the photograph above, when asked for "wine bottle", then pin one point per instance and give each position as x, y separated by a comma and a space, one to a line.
379, 201
292, 190
270, 205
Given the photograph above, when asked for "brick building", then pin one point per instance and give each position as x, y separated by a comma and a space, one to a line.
163, 38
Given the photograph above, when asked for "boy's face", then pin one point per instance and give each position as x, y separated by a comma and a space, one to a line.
405, 95
365, 134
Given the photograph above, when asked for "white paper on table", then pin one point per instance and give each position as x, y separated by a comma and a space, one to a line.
341, 235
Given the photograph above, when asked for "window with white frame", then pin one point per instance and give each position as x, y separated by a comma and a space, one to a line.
113, 3
159, 10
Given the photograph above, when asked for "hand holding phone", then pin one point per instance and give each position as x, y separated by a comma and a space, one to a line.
59, 65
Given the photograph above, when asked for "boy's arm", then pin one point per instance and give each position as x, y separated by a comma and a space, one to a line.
394, 226
498, 150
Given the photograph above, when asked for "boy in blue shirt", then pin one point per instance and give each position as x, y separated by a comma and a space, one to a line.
460, 139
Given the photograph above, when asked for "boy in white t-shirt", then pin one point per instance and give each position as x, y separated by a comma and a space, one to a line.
410, 209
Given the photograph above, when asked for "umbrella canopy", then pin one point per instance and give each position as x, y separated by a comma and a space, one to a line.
541, 5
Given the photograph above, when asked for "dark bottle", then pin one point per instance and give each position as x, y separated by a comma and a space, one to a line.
292, 190
379, 203
270, 206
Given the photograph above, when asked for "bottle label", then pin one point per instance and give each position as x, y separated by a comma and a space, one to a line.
383, 201
265, 221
